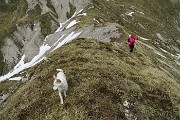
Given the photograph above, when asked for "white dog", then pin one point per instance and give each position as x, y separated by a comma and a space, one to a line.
60, 83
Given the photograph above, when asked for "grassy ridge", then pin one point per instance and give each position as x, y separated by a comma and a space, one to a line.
101, 76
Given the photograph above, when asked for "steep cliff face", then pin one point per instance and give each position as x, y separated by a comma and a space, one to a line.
28, 29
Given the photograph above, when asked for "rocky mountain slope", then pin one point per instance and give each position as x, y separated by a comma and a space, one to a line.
105, 80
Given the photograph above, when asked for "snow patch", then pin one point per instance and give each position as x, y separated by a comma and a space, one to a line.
160, 36
96, 20
60, 27
83, 14
158, 53
146, 45
69, 38
22, 66
129, 13
38, 58
164, 50
140, 12
72, 23
133, 7
143, 38
16, 78
175, 56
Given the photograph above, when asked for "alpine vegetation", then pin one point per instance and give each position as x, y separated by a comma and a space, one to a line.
108, 76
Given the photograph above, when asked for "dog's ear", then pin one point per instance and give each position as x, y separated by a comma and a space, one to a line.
54, 76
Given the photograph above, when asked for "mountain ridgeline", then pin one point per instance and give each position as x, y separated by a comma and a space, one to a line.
88, 40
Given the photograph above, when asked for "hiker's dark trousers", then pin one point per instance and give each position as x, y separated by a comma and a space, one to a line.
131, 48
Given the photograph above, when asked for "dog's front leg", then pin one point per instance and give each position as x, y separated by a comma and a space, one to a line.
60, 95
65, 93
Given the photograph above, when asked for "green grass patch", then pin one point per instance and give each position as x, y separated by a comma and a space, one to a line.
100, 79
5, 85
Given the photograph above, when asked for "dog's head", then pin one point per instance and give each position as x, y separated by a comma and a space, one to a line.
55, 78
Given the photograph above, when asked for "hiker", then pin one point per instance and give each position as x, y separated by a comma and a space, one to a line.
131, 41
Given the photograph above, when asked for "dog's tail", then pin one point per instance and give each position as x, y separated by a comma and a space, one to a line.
60, 70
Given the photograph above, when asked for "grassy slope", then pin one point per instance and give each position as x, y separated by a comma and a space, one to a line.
158, 17
5, 85
101, 76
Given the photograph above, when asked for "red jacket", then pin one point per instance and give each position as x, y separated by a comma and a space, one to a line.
131, 40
